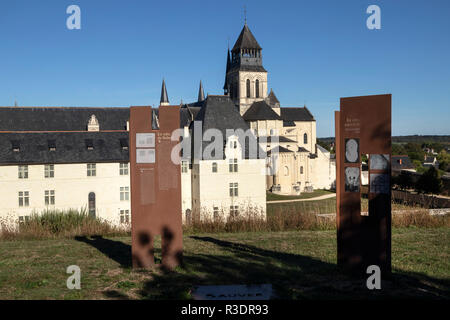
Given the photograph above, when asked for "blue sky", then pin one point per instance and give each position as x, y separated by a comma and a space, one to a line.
315, 53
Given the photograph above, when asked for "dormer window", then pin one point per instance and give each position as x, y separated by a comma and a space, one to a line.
15, 145
89, 144
93, 124
124, 144
51, 145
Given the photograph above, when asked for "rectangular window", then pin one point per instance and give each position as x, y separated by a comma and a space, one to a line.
123, 169
49, 197
125, 216
91, 170
23, 219
214, 167
184, 166
24, 198
49, 171
233, 189
23, 172
234, 211
232, 165
124, 194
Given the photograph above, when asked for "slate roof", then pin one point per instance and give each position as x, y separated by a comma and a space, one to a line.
296, 114
301, 149
280, 150
288, 123
188, 113
71, 147
219, 112
185, 117
405, 162
260, 110
246, 67
281, 139
272, 99
61, 118
246, 40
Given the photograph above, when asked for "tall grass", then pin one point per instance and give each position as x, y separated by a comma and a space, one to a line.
70, 223
290, 218
52, 224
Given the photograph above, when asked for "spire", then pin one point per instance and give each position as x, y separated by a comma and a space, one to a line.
245, 15
246, 40
164, 98
201, 94
272, 100
226, 86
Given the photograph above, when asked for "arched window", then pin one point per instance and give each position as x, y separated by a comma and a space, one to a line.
305, 138
301, 169
248, 88
286, 171
91, 201
257, 88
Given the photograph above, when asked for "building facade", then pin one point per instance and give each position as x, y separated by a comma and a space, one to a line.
62, 158
300, 164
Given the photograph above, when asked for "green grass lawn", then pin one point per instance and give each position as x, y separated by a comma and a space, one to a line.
299, 265
305, 195
323, 206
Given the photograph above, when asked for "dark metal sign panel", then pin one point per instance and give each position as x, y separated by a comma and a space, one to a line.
155, 187
363, 127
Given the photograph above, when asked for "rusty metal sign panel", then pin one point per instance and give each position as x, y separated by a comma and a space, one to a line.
363, 127
155, 187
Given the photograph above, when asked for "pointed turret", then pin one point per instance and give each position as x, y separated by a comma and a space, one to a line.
272, 100
246, 54
164, 98
246, 40
201, 94
226, 86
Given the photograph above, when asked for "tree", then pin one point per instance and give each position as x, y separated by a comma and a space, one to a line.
404, 181
398, 149
429, 182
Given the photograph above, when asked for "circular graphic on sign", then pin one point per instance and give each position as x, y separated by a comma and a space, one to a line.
351, 150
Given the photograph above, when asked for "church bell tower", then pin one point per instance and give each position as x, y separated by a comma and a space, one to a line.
246, 78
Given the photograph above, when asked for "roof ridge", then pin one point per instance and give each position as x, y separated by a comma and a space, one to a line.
61, 107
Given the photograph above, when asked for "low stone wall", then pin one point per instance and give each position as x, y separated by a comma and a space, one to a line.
424, 200
409, 198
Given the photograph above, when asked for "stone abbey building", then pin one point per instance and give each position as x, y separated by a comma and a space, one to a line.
77, 157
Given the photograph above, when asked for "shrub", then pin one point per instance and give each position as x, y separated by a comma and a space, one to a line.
60, 224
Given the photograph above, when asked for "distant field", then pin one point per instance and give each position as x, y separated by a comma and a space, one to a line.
299, 264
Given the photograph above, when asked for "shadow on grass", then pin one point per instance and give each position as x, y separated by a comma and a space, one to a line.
292, 276
115, 250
